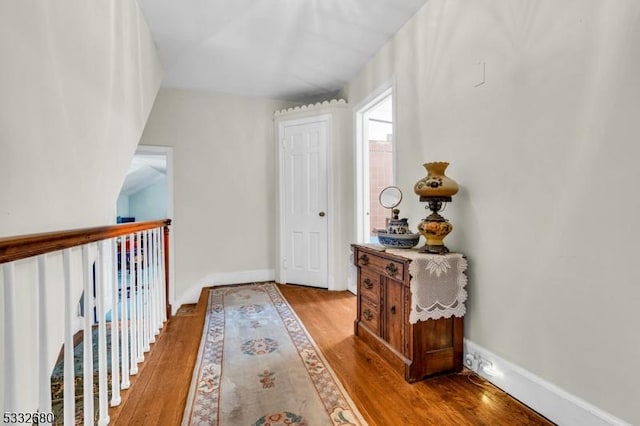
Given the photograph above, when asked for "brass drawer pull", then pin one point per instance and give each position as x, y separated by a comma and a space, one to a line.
364, 259
392, 269
367, 315
368, 284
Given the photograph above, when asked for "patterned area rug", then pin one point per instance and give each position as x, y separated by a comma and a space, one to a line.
257, 365
57, 381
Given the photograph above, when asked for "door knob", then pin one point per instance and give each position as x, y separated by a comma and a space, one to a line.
321, 214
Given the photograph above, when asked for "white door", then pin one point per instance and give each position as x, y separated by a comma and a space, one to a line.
304, 203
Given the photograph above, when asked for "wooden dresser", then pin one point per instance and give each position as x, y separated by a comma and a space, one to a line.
417, 350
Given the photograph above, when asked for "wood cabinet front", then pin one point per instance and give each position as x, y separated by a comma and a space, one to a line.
417, 350
394, 315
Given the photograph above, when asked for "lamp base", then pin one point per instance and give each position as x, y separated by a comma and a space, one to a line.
434, 249
434, 228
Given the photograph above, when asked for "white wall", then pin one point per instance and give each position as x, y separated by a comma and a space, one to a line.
546, 155
122, 205
224, 185
77, 82
150, 203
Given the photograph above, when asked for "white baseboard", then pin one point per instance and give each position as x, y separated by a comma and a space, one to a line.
547, 399
352, 283
193, 293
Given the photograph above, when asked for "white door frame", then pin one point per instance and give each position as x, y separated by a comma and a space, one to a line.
281, 276
360, 180
167, 151
361, 155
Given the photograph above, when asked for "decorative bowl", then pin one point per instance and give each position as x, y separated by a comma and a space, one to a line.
398, 240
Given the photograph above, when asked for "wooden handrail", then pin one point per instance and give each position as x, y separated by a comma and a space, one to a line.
124, 271
25, 246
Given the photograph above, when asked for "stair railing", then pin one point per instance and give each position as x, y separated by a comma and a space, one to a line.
123, 271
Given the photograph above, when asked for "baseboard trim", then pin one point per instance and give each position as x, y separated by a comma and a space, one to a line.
546, 398
192, 294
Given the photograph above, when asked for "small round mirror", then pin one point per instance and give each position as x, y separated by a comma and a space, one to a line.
390, 197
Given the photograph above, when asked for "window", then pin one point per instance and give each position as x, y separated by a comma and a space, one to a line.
375, 162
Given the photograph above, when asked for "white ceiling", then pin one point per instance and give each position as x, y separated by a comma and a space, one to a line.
144, 170
297, 50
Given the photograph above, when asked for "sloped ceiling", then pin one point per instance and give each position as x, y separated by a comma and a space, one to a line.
144, 170
296, 50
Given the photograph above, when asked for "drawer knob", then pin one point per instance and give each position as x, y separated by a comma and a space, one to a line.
367, 315
368, 284
392, 269
364, 259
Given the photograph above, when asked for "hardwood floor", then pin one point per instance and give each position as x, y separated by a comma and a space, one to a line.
381, 394
159, 393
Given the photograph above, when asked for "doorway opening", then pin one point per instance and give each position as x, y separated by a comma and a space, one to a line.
375, 161
147, 194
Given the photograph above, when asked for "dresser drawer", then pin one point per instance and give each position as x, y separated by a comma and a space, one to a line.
370, 285
370, 315
387, 267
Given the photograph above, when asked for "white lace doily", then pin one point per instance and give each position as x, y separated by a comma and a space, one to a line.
437, 284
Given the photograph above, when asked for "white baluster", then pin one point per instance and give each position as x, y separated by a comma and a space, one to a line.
69, 370
115, 326
44, 375
133, 302
102, 336
88, 337
156, 281
147, 288
145, 293
163, 283
124, 309
139, 298
152, 286
9, 321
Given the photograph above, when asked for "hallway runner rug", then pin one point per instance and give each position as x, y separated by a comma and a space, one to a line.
258, 365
